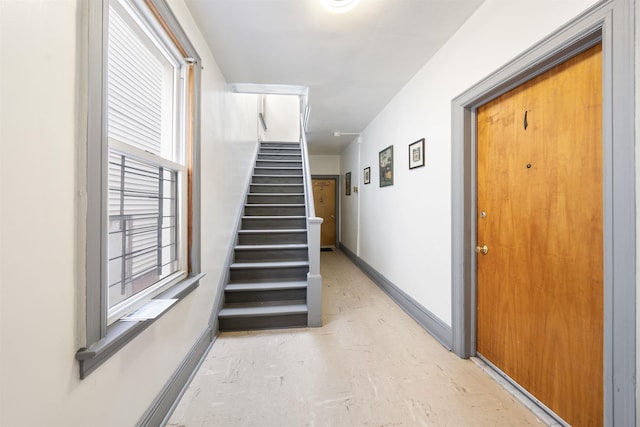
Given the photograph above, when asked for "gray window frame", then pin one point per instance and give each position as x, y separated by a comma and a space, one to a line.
102, 340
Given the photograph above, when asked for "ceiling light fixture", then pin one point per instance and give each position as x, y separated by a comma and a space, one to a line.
344, 133
339, 6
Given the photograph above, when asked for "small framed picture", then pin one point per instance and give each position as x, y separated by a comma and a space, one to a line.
348, 184
367, 175
416, 154
385, 160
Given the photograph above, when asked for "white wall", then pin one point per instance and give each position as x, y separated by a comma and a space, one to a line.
324, 165
405, 229
350, 205
282, 116
42, 106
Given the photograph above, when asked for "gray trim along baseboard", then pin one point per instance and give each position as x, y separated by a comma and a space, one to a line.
165, 403
430, 322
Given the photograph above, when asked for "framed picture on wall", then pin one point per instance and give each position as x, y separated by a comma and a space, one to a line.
416, 154
348, 184
367, 175
385, 160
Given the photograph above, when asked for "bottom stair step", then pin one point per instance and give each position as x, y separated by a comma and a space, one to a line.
263, 315
263, 309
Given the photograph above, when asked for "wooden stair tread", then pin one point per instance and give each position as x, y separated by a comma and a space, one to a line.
285, 146
264, 286
274, 217
274, 231
269, 264
276, 194
260, 309
272, 246
291, 156
278, 167
277, 205
276, 185
275, 176
280, 160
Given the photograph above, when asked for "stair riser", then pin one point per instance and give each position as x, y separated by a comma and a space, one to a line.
271, 238
282, 156
274, 210
281, 150
276, 144
268, 274
266, 322
291, 199
258, 223
264, 296
277, 171
277, 180
280, 144
277, 164
271, 255
279, 189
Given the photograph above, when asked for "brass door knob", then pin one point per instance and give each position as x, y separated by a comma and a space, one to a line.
482, 249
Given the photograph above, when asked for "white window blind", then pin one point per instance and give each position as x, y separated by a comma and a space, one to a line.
140, 89
144, 191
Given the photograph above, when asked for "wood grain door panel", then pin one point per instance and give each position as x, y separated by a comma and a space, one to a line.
540, 286
324, 199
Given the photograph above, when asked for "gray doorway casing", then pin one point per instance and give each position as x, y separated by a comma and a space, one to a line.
612, 23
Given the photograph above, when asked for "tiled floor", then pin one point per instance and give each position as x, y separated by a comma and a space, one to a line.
369, 365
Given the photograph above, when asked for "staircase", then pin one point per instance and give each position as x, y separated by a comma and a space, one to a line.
267, 285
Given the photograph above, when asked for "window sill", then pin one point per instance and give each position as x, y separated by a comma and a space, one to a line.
120, 333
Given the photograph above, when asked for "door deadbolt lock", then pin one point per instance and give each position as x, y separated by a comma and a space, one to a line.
482, 249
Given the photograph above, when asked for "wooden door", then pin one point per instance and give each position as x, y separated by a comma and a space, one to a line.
324, 198
540, 283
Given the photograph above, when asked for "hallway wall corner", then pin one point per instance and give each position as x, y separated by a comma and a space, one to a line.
427, 320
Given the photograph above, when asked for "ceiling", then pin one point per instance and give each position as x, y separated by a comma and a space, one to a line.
353, 63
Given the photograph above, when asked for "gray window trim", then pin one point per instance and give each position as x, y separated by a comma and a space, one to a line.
102, 341
120, 333
96, 246
612, 21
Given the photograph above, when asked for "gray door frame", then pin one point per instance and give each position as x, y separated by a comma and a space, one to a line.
612, 23
336, 178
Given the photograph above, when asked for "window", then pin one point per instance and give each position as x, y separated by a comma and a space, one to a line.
146, 173
142, 177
